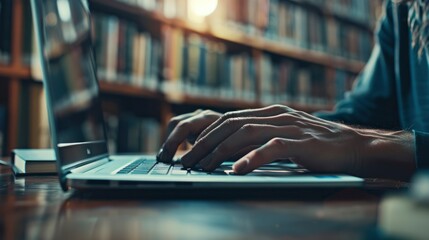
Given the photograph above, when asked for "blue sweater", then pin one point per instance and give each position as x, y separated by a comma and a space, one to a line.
392, 92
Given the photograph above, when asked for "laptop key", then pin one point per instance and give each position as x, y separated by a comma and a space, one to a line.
130, 167
159, 172
193, 172
140, 172
140, 166
160, 169
178, 170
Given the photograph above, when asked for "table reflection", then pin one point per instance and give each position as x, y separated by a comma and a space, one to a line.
77, 218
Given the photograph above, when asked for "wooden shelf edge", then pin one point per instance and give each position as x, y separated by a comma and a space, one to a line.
15, 72
288, 51
142, 92
210, 101
182, 98
231, 36
239, 104
129, 90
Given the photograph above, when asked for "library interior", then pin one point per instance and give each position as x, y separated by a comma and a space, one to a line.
157, 59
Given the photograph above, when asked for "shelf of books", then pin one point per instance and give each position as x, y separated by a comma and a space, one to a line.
217, 62
281, 27
242, 54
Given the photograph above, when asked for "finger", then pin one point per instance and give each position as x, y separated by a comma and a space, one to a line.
207, 144
177, 119
277, 148
260, 112
249, 134
241, 153
180, 133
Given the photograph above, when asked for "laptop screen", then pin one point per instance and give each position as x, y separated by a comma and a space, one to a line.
74, 107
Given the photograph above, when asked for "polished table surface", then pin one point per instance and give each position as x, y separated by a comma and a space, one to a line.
35, 207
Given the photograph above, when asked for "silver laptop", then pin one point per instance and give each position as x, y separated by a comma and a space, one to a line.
78, 129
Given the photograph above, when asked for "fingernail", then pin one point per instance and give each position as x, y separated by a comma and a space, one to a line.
161, 155
240, 166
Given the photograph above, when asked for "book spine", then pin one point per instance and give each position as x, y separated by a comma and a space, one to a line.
129, 133
6, 30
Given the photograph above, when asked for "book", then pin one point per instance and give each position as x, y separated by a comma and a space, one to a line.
124, 53
28, 32
34, 161
134, 134
6, 30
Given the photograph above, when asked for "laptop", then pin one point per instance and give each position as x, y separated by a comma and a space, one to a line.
77, 126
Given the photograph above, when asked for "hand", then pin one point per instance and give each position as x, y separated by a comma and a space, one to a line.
279, 132
185, 127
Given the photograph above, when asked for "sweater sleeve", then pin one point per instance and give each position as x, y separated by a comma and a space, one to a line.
421, 146
373, 102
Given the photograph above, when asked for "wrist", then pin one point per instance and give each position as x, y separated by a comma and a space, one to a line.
388, 154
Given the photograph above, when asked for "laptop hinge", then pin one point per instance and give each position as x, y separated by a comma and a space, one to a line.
90, 166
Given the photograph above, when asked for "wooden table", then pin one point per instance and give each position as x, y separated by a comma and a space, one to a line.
36, 208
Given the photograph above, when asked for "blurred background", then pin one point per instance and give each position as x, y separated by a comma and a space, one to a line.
160, 58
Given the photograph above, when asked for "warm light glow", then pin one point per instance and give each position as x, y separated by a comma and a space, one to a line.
202, 8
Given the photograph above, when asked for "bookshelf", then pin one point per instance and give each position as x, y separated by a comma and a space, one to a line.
140, 15
17, 75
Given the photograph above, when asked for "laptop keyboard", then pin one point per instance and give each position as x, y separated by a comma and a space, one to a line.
140, 166
152, 167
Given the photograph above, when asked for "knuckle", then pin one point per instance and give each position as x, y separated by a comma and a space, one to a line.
277, 142
307, 135
229, 115
231, 122
249, 128
174, 121
288, 117
183, 124
207, 112
279, 108
297, 114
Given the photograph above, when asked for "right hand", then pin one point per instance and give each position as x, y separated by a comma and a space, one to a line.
185, 127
